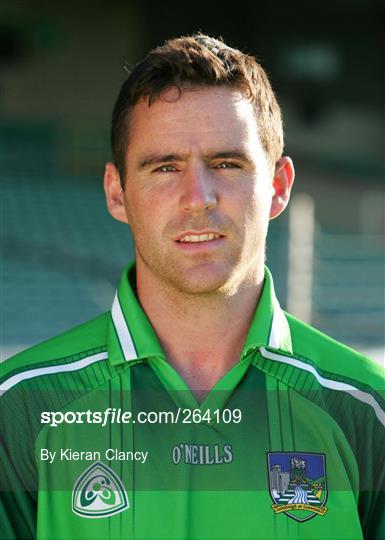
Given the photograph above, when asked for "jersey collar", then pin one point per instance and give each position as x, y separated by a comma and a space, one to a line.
269, 327
130, 335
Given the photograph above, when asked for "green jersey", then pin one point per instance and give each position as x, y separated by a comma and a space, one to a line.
104, 440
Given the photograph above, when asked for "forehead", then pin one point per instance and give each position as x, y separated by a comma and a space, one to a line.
196, 116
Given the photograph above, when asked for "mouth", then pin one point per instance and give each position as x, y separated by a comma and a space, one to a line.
192, 238
199, 242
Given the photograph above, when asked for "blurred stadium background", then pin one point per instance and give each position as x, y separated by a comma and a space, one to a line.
61, 66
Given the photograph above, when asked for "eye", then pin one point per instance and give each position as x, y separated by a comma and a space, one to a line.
165, 168
226, 165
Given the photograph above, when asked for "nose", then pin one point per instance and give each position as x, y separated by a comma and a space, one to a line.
198, 190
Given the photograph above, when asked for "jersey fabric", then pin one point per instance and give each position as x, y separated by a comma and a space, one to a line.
288, 444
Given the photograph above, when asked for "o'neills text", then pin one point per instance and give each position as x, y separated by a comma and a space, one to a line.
202, 454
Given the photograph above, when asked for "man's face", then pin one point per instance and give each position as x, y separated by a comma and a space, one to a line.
198, 190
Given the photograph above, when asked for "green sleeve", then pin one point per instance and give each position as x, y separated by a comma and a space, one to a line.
17, 469
17, 504
374, 509
371, 504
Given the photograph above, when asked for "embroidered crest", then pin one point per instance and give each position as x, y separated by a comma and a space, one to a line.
298, 484
98, 492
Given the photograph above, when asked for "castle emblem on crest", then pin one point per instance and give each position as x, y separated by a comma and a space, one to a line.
298, 484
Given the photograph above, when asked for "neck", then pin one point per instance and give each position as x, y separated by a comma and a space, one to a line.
202, 335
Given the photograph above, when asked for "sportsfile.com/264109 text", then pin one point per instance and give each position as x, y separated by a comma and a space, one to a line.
113, 415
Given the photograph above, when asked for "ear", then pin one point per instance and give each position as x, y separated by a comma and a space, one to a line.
282, 184
114, 193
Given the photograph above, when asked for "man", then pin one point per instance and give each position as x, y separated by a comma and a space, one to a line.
240, 421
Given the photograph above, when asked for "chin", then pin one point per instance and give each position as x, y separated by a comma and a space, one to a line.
201, 281
199, 278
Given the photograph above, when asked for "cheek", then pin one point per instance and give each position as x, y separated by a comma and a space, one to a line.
133, 213
256, 216
144, 216
258, 204
263, 197
134, 206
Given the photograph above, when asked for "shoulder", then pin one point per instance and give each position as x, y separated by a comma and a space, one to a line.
338, 379
328, 355
74, 345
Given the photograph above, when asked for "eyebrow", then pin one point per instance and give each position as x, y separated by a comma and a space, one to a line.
231, 154
154, 159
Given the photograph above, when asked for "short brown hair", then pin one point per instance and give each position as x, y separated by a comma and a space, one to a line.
197, 60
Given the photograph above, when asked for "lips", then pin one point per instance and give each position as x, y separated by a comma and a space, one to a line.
198, 237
